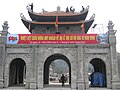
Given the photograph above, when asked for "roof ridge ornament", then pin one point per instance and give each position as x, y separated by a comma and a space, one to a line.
22, 16
5, 29
67, 10
58, 9
5, 26
92, 17
85, 9
110, 28
30, 7
72, 9
110, 25
43, 10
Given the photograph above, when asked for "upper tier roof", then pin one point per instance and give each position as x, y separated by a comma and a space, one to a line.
63, 16
48, 19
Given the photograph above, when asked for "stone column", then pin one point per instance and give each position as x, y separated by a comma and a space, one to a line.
2, 52
73, 58
112, 40
80, 79
40, 69
33, 82
1, 65
86, 74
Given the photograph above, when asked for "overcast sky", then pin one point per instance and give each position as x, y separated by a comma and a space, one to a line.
104, 11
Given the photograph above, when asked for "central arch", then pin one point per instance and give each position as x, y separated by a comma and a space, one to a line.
48, 62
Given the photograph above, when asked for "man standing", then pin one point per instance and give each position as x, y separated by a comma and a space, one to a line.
63, 79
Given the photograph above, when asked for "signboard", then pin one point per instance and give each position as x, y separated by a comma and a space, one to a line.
52, 39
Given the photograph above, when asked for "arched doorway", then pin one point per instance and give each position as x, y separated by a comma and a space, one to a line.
98, 74
49, 61
17, 72
119, 67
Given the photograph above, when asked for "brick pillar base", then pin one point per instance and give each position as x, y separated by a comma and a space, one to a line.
1, 83
115, 84
81, 87
31, 85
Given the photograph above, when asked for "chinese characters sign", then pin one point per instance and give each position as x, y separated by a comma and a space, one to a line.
52, 39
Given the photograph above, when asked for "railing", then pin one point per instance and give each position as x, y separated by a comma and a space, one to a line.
98, 27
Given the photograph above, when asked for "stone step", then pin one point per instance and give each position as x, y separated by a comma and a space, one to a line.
99, 89
51, 88
56, 89
36, 89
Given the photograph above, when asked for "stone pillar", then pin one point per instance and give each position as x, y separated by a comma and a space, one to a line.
73, 60
2, 52
1, 65
80, 76
40, 70
31, 78
33, 81
86, 74
112, 40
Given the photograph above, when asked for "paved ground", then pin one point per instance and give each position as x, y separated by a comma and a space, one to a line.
55, 89
51, 86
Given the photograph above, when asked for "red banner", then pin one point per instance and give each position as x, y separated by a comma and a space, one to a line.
52, 39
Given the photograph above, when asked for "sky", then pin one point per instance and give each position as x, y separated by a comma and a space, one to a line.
104, 11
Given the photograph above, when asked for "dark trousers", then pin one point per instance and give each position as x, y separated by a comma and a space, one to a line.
63, 84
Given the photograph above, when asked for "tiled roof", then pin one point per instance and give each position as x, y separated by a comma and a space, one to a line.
60, 13
34, 22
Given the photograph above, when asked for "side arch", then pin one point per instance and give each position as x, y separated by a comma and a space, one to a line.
99, 65
106, 59
17, 72
98, 77
10, 57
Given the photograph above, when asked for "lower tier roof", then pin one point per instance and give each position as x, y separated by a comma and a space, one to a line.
30, 25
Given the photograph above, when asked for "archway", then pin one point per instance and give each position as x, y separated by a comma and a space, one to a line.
17, 72
98, 76
119, 67
49, 60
